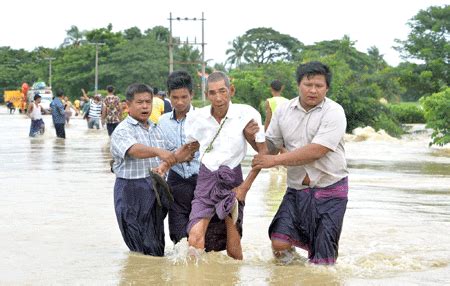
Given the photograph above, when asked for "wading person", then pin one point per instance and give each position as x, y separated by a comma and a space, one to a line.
276, 100
34, 111
221, 190
136, 147
182, 177
311, 127
58, 114
112, 110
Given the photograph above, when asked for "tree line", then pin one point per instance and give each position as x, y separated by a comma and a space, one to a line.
362, 81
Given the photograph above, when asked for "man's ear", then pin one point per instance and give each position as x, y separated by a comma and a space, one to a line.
232, 90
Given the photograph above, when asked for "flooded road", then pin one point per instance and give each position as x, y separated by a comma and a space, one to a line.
58, 224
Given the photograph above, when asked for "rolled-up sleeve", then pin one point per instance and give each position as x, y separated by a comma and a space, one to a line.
190, 127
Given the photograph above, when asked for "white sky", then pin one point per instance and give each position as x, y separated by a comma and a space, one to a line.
29, 23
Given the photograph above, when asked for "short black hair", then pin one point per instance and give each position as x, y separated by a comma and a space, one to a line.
155, 90
134, 88
313, 68
179, 79
276, 85
110, 88
60, 93
36, 96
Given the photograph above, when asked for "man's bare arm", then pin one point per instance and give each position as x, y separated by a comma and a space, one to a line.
297, 157
141, 151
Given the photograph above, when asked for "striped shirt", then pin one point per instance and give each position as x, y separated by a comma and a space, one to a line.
130, 132
174, 130
95, 109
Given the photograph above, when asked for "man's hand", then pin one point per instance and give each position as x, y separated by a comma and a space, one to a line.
186, 152
263, 161
167, 156
161, 169
241, 192
250, 130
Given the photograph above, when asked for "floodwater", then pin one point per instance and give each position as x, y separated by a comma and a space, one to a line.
57, 221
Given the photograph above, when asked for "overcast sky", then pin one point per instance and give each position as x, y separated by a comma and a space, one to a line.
31, 23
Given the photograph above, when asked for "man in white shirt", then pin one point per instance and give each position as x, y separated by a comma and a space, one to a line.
219, 129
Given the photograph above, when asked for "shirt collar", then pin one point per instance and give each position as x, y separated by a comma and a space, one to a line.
231, 112
296, 104
172, 114
133, 121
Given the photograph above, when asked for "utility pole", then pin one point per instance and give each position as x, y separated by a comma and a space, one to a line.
171, 44
49, 70
96, 65
203, 58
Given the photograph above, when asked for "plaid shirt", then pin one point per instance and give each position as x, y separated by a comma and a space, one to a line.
128, 133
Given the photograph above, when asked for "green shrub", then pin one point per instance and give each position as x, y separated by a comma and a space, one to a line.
408, 112
388, 124
437, 114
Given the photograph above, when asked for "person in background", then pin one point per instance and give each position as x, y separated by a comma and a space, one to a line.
312, 128
86, 105
95, 110
67, 109
34, 111
124, 105
112, 110
58, 115
276, 87
77, 106
167, 103
158, 107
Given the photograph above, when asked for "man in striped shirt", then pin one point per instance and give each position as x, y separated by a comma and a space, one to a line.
95, 112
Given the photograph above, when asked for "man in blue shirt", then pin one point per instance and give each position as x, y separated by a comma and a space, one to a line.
58, 114
182, 177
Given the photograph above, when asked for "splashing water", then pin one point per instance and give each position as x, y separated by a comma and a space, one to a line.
183, 253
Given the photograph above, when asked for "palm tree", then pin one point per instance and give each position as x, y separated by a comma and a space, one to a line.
240, 50
75, 37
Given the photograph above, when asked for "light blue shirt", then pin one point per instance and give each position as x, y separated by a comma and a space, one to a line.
174, 131
130, 132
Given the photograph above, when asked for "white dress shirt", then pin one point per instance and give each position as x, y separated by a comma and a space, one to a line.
230, 147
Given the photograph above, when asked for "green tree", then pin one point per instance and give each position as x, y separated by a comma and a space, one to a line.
140, 60
437, 115
75, 37
428, 41
240, 50
105, 35
132, 33
269, 45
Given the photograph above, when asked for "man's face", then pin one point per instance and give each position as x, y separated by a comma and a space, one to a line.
312, 91
181, 99
140, 107
219, 96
